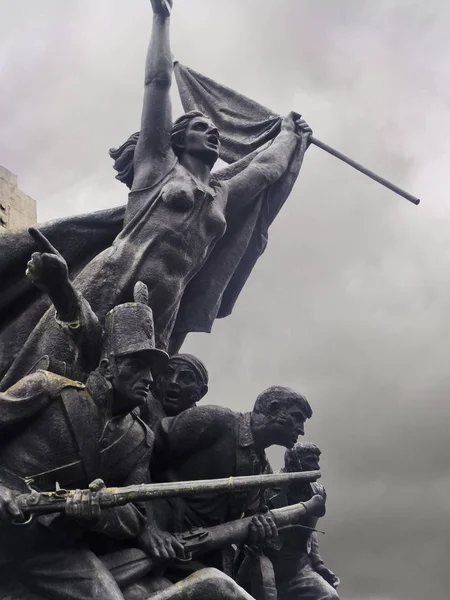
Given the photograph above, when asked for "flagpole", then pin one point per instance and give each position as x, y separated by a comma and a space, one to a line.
363, 170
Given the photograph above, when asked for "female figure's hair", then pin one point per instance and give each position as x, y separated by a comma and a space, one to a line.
123, 156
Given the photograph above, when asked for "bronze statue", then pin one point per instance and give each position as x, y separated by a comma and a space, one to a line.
59, 432
192, 237
131, 566
205, 442
118, 290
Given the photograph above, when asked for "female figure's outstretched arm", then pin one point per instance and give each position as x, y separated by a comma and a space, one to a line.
153, 153
270, 164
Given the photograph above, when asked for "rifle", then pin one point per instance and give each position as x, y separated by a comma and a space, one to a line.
129, 565
42, 503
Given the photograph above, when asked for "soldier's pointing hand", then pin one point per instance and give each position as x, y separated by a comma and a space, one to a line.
47, 269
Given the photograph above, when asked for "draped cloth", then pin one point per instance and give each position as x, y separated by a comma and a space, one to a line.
246, 128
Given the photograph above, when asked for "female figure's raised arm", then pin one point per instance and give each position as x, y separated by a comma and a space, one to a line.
153, 150
270, 164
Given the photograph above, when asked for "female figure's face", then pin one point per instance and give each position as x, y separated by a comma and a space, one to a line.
202, 139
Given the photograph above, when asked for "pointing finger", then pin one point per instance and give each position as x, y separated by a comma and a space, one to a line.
42, 241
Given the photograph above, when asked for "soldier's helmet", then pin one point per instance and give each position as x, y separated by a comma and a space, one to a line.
129, 328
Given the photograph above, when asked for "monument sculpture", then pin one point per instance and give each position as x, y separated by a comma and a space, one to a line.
57, 448
114, 483
187, 234
225, 444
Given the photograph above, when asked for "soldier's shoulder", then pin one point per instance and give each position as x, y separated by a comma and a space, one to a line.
219, 415
219, 411
52, 382
208, 411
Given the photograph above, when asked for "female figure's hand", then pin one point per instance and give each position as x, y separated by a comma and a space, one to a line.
162, 7
304, 131
294, 123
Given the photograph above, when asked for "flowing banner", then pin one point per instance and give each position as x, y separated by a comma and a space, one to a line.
245, 125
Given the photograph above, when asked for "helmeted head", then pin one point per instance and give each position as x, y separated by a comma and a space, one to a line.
193, 133
304, 456
182, 383
129, 357
284, 412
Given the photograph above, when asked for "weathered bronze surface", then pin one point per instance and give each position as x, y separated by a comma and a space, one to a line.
114, 483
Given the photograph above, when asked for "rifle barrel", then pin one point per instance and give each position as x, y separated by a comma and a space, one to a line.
51, 502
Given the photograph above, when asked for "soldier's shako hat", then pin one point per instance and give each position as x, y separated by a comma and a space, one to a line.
129, 328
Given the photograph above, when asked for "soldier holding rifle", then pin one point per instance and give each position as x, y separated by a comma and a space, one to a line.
58, 431
299, 569
210, 441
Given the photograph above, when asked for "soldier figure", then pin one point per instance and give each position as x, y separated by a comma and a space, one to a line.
299, 568
205, 442
59, 431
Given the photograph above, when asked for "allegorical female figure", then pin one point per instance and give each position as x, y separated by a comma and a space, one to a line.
178, 213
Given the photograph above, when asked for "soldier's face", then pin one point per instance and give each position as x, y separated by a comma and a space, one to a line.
304, 460
178, 388
310, 460
286, 425
131, 379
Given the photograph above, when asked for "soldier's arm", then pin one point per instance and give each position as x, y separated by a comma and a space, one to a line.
125, 522
314, 555
319, 566
48, 271
86, 334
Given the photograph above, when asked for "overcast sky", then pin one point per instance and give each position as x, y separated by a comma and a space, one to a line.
350, 303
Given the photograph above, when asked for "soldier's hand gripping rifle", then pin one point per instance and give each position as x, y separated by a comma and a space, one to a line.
128, 566
42, 503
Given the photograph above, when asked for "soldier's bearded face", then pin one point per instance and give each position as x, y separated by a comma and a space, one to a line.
178, 388
131, 380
